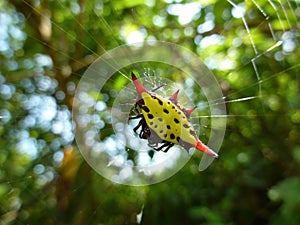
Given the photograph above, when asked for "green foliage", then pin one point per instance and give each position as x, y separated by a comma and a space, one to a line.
45, 48
287, 192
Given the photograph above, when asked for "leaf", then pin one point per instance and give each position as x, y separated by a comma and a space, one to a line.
207, 2
127, 4
288, 191
296, 154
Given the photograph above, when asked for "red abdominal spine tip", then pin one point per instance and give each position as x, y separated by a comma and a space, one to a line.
206, 149
139, 87
189, 111
174, 97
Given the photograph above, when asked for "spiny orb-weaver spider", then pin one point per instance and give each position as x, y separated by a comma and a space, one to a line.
164, 122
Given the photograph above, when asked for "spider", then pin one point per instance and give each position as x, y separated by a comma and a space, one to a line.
164, 122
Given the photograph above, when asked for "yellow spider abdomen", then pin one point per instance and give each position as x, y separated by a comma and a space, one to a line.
167, 120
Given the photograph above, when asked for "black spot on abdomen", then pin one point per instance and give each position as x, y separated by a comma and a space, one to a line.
186, 125
141, 102
192, 132
150, 116
146, 109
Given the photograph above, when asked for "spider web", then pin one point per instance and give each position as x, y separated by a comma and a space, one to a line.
282, 44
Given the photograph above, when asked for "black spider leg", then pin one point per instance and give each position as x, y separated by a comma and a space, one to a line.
153, 139
135, 117
145, 131
140, 122
167, 145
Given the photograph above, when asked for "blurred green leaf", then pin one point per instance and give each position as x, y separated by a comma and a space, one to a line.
119, 5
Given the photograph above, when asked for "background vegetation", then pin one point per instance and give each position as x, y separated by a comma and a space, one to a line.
45, 47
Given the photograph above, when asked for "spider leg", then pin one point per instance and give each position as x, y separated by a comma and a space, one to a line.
145, 131
161, 147
136, 111
140, 122
144, 134
170, 145
136, 108
138, 126
135, 117
166, 145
